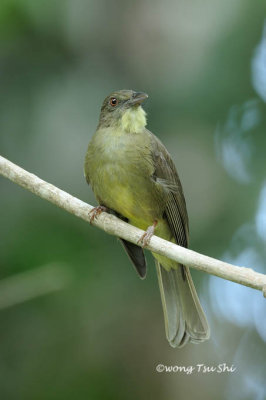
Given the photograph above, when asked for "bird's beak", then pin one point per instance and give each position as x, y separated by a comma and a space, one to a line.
137, 98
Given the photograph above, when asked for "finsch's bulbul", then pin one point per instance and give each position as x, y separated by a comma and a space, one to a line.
132, 175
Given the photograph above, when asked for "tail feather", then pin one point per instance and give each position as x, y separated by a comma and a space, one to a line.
184, 317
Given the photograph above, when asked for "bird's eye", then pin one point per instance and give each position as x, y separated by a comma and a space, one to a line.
113, 101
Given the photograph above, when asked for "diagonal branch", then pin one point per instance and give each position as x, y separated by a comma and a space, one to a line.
116, 227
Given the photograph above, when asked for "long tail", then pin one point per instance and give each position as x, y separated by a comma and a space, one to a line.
183, 315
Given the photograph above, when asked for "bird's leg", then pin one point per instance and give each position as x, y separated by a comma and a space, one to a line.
146, 237
96, 211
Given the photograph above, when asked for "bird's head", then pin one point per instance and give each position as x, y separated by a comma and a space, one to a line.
122, 109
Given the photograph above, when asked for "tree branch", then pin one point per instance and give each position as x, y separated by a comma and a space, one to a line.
116, 227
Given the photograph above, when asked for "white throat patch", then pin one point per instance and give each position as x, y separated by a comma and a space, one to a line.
133, 120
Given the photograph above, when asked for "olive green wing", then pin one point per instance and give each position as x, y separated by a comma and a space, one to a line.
165, 175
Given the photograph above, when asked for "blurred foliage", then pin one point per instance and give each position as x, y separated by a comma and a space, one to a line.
203, 65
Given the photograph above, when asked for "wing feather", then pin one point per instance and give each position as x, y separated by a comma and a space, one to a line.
166, 176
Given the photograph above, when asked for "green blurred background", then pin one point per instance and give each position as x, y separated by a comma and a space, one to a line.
97, 331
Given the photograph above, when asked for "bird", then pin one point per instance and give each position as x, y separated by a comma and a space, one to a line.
134, 177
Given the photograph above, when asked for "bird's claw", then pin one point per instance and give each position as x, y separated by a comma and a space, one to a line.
95, 212
144, 240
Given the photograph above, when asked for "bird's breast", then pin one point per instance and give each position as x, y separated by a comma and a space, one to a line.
119, 172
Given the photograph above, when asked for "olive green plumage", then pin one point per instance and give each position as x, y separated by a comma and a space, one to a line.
132, 174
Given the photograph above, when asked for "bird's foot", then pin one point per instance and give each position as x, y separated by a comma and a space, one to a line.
96, 211
146, 237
